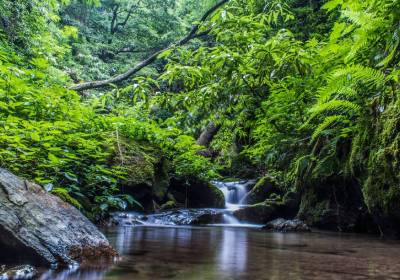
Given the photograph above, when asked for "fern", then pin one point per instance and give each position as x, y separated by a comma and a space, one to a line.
332, 106
328, 122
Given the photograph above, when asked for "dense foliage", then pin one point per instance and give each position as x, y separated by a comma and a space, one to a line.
306, 91
72, 147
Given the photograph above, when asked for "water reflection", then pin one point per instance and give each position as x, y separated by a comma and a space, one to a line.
75, 273
239, 253
232, 252
124, 239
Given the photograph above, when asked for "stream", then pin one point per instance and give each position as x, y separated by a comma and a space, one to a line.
168, 246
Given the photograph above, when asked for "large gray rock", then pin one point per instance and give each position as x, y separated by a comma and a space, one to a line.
41, 228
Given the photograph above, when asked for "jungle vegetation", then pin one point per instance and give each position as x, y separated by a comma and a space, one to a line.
304, 91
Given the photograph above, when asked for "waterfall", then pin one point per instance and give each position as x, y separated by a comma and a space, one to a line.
234, 193
235, 197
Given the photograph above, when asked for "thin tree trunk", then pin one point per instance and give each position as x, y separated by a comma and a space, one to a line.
208, 134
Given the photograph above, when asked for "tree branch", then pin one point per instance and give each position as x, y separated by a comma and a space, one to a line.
122, 24
153, 57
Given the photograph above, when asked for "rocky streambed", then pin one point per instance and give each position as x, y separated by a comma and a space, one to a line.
39, 229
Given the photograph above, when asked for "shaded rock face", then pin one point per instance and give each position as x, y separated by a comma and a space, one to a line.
197, 194
151, 188
388, 225
260, 213
18, 273
43, 229
264, 189
174, 217
268, 210
336, 206
282, 225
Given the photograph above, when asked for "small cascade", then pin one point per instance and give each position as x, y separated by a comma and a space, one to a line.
234, 193
235, 198
230, 219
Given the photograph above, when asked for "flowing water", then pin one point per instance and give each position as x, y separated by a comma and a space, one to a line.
234, 193
155, 247
235, 198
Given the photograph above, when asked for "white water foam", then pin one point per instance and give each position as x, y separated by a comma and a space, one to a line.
235, 198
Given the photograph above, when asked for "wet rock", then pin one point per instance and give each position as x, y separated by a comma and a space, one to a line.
282, 225
125, 219
187, 217
265, 188
173, 217
21, 272
259, 213
42, 229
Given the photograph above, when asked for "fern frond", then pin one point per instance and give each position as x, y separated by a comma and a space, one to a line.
339, 106
360, 74
328, 122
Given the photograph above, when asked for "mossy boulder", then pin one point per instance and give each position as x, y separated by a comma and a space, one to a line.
259, 213
265, 188
196, 193
171, 204
270, 209
147, 178
337, 206
383, 201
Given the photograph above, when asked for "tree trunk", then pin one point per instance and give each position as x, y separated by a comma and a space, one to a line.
208, 134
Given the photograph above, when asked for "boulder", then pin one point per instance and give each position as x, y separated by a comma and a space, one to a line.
260, 213
336, 205
196, 193
40, 228
22, 272
282, 225
266, 188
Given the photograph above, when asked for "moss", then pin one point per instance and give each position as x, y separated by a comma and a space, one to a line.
168, 205
64, 195
379, 149
259, 213
266, 188
218, 195
161, 180
137, 159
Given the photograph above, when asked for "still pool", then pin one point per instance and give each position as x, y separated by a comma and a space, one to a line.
239, 253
